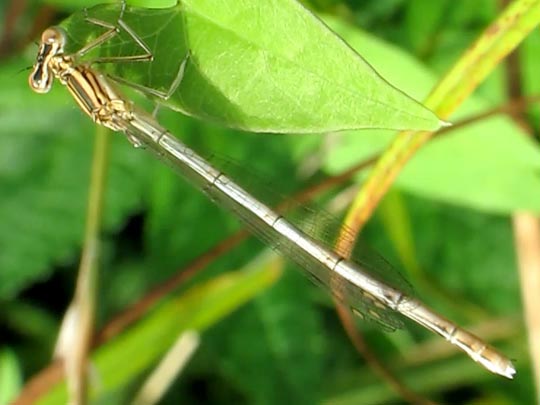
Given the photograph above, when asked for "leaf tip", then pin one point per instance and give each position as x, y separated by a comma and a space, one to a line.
444, 124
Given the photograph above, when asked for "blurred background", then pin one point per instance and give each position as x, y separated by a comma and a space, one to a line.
447, 224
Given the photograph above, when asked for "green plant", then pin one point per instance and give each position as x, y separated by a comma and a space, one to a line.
450, 219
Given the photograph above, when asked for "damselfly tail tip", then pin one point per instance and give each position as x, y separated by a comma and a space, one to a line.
494, 362
509, 371
503, 368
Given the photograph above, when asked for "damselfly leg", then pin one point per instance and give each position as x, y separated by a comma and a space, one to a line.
147, 56
111, 31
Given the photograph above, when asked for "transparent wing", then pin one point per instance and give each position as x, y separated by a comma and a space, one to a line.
323, 228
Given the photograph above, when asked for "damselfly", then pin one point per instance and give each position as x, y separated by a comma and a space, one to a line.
354, 282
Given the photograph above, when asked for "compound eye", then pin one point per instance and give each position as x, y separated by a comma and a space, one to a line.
54, 36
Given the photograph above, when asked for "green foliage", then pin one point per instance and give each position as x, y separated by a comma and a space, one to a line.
125, 358
46, 190
10, 375
275, 344
273, 67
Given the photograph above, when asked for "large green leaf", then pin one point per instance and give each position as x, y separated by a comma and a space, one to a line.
260, 66
10, 375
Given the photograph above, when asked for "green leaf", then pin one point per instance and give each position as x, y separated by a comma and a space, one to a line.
490, 165
259, 66
423, 17
10, 376
282, 331
475, 258
79, 4
530, 68
123, 359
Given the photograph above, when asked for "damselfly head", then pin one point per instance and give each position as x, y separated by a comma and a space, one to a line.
52, 44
